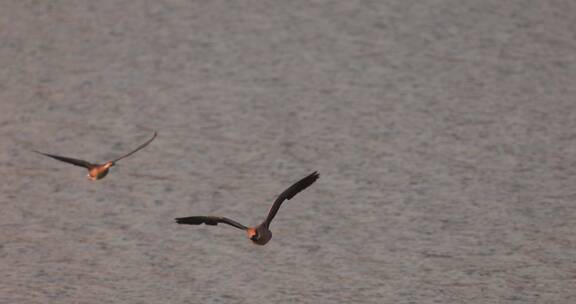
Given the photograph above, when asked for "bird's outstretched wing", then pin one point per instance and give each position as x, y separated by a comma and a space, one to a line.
73, 161
289, 193
209, 220
139, 148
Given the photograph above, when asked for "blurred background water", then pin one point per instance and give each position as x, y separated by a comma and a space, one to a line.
444, 132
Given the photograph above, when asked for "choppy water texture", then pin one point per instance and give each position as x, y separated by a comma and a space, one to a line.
444, 131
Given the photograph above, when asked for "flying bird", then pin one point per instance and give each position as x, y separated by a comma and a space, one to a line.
260, 234
96, 171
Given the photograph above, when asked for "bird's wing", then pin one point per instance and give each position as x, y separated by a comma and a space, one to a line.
139, 147
73, 161
289, 193
209, 220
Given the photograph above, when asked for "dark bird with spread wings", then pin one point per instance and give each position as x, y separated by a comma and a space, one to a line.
96, 171
260, 234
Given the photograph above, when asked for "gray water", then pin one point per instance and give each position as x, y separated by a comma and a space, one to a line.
444, 132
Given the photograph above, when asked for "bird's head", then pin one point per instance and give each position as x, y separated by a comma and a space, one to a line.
252, 233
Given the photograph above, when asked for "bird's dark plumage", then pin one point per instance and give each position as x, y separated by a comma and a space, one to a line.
289, 193
96, 171
259, 234
73, 161
137, 149
209, 220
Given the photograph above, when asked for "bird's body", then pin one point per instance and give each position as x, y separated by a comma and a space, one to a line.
99, 171
260, 234
96, 171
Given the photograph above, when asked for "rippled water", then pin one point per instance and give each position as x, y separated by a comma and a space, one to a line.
443, 132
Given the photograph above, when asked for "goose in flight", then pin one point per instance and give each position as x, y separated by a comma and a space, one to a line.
259, 234
96, 171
